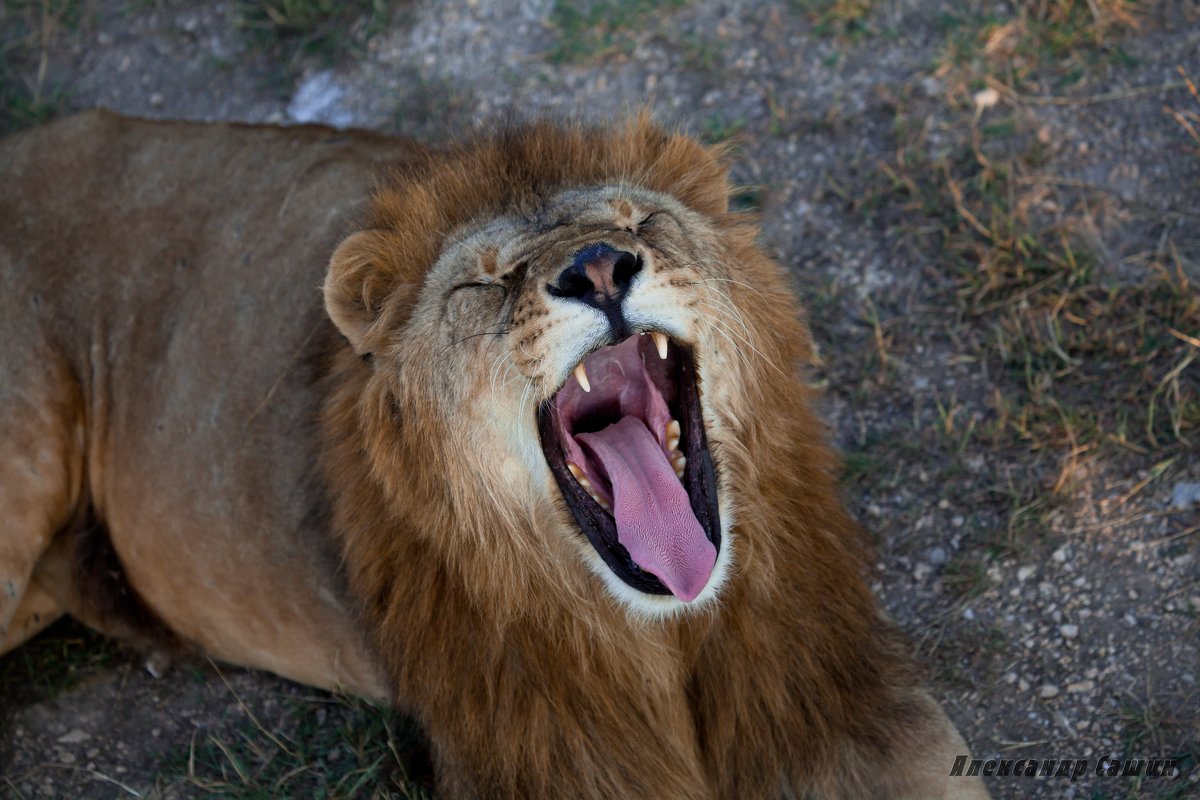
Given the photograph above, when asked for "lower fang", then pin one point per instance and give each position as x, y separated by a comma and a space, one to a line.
579, 477
672, 436
678, 464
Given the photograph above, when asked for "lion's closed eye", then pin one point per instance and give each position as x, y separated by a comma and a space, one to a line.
478, 285
472, 307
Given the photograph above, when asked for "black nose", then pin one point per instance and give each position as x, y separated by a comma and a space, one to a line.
599, 276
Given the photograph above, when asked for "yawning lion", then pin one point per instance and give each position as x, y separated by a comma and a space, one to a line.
541, 469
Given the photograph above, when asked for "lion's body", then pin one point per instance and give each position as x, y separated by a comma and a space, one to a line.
142, 374
169, 384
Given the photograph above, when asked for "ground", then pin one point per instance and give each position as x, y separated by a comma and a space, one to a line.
991, 213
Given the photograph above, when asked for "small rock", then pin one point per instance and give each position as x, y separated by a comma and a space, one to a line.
986, 98
1069, 631
104, 39
921, 571
321, 98
937, 556
1048, 691
74, 737
968, 614
1081, 686
156, 99
1059, 555
1185, 495
1025, 573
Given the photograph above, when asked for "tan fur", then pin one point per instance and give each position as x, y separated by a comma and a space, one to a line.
177, 377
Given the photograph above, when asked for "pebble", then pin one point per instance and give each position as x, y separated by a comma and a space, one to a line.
74, 737
1048, 691
1025, 573
1069, 631
1081, 686
937, 556
1185, 495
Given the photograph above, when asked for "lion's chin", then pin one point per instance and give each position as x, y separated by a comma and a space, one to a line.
625, 441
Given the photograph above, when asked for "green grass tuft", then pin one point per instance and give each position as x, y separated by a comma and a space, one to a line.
325, 29
322, 747
588, 30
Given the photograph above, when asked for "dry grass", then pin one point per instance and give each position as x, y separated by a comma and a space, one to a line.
1189, 118
323, 28
319, 746
1043, 44
28, 31
847, 18
1086, 356
598, 28
1091, 356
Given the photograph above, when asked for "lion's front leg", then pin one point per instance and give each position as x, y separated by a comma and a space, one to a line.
917, 768
41, 465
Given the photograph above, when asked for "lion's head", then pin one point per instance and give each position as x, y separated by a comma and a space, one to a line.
581, 346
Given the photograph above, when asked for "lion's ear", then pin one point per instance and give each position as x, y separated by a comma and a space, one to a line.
356, 287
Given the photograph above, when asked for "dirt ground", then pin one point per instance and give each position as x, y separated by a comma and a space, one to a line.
992, 211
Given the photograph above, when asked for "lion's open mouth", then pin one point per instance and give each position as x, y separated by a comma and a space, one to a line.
625, 441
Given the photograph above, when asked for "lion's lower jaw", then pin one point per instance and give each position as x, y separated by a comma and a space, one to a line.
649, 607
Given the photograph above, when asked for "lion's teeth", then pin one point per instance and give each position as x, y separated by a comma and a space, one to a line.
678, 464
672, 435
581, 376
579, 477
600, 501
660, 341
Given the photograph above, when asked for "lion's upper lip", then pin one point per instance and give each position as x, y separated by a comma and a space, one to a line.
625, 441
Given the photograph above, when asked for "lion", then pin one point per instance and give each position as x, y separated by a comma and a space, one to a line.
531, 456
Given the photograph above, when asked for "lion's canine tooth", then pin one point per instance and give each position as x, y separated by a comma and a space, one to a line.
660, 341
581, 376
672, 435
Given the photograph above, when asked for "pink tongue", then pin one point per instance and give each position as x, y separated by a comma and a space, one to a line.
655, 522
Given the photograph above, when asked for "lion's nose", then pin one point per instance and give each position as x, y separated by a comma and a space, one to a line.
599, 276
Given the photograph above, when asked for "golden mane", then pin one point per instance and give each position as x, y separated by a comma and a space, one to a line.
731, 695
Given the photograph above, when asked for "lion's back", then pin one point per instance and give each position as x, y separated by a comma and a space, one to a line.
170, 272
